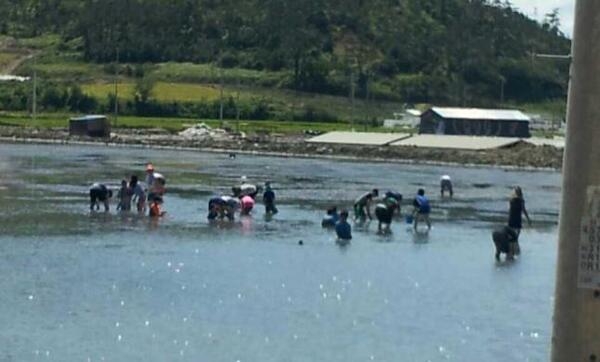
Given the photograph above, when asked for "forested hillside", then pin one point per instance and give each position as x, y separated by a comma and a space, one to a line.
459, 52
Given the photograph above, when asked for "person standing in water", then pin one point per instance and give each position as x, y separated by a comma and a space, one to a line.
139, 195
343, 228
269, 199
422, 209
124, 196
446, 185
149, 180
362, 205
515, 215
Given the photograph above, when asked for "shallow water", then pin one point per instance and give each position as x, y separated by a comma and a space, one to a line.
78, 286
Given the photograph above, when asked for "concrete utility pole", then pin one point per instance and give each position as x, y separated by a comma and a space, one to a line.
576, 334
352, 98
221, 98
116, 110
34, 91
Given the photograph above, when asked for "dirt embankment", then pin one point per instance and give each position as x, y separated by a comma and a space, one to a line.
519, 155
9, 45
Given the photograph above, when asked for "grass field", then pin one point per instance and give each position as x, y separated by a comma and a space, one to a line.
59, 120
167, 92
282, 101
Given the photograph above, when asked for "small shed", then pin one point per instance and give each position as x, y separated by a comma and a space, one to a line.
408, 118
475, 122
90, 125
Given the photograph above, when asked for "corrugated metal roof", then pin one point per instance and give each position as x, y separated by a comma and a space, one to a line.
457, 142
359, 138
481, 113
558, 142
89, 117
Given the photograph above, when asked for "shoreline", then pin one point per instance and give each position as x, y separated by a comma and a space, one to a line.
518, 157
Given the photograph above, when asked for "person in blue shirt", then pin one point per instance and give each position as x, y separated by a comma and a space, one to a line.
343, 228
331, 219
422, 209
269, 199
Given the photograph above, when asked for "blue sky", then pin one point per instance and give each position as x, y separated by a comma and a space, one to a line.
536, 9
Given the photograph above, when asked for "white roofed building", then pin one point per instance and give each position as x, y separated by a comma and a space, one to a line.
475, 122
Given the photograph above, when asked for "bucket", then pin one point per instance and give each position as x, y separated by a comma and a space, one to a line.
409, 219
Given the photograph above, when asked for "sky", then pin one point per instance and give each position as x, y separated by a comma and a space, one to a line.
536, 9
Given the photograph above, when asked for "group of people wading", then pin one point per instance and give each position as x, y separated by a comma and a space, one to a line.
149, 197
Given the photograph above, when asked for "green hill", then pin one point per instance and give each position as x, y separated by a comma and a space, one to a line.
273, 56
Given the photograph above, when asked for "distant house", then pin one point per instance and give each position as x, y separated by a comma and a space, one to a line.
475, 122
408, 118
91, 126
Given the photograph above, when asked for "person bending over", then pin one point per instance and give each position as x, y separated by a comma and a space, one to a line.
384, 211
99, 193
505, 239
362, 205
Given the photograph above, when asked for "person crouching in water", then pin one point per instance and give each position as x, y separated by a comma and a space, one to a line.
269, 199
331, 219
446, 185
343, 228
216, 206
247, 204
384, 211
155, 207
506, 241
362, 206
221, 207
422, 209
99, 193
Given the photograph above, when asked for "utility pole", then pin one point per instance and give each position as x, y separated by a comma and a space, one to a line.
237, 106
221, 98
576, 332
352, 98
117, 89
34, 96
502, 83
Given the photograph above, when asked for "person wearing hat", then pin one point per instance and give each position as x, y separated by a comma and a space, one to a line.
155, 183
149, 180
149, 174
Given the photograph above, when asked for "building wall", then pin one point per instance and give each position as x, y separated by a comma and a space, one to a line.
431, 123
91, 128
